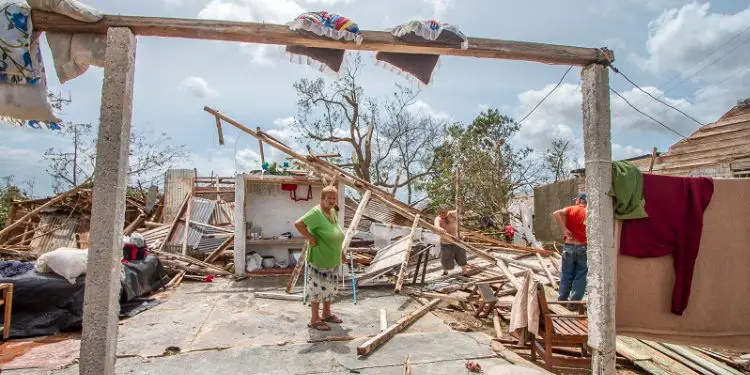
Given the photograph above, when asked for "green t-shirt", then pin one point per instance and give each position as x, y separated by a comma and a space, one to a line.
328, 237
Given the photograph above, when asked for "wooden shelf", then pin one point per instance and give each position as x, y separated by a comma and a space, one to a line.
281, 241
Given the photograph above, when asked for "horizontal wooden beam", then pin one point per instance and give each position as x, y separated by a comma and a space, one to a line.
264, 33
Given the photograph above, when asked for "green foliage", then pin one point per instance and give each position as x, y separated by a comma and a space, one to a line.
9, 192
491, 170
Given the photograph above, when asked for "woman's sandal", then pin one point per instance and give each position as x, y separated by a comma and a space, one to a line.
333, 319
320, 326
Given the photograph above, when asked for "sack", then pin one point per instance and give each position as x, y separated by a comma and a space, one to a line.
67, 262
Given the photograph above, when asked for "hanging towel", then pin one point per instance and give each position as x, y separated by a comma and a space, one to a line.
675, 206
524, 313
421, 66
323, 24
72, 54
719, 311
627, 190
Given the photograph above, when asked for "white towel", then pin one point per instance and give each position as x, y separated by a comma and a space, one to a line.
524, 312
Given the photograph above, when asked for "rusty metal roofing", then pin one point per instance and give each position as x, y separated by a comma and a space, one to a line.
720, 149
201, 211
54, 231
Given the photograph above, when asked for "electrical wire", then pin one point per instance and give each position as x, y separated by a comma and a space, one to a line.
546, 96
647, 115
653, 97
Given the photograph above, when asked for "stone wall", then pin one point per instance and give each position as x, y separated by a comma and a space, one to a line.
549, 198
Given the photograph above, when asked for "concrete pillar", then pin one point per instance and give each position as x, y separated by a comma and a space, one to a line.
240, 224
600, 218
101, 300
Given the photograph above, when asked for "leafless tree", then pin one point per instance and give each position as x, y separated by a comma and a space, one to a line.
558, 159
389, 142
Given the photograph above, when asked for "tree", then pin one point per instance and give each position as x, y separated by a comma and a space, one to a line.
390, 143
9, 192
558, 159
151, 154
491, 169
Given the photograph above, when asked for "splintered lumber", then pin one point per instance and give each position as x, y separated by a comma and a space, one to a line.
546, 270
496, 324
279, 296
297, 269
220, 131
407, 254
175, 279
219, 250
186, 228
265, 33
381, 338
383, 320
16, 254
191, 260
137, 223
39, 209
356, 219
176, 220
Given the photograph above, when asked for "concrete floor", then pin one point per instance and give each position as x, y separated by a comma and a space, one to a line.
222, 328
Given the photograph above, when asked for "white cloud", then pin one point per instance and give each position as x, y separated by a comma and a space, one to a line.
620, 152
284, 122
681, 38
561, 113
197, 87
270, 11
439, 7
422, 108
21, 155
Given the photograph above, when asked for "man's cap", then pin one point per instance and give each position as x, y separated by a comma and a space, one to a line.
581, 196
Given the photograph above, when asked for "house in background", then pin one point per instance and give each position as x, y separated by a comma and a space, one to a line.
720, 150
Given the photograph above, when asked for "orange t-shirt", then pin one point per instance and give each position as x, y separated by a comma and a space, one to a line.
575, 221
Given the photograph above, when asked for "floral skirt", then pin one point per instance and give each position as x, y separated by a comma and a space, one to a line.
322, 283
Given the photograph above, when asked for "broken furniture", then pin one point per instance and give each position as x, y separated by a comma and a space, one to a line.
483, 300
559, 330
6, 291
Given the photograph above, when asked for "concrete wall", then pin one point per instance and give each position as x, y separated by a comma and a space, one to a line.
549, 198
270, 208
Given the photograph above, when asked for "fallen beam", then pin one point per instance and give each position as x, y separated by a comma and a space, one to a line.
265, 33
381, 338
405, 263
284, 297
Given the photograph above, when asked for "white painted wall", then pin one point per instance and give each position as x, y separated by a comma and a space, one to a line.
271, 208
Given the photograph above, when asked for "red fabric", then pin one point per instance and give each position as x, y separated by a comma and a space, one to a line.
575, 222
510, 232
675, 207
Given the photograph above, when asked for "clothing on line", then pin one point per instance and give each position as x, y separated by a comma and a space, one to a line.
675, 206
627, 190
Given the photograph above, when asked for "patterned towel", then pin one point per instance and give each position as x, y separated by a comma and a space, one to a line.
421, 66
15, 268
323, 24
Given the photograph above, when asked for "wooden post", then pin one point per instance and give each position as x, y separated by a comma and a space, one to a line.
407, 254
651, 162
600, 218
370, 345
262, 153
101, 297
356, 219
297, 269
186, 229
218, 130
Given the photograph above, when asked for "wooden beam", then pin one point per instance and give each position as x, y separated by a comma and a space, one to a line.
356, 219
381, 338
407, 254
186, 228
279, 296
297, 269
215, 254
383, 320
35, 211
176, 220
262, 152
265, 33
218, 129
546, 270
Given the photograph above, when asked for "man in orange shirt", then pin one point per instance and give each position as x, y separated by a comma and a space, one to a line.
572, 221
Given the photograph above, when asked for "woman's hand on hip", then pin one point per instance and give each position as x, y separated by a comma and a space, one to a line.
312, 242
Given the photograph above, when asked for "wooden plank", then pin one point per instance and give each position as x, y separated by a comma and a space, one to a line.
297, 269
381, 338
356, 219
262, 152
546, 270
383, 320
279, 296
215, 254
186, 228
219, 130
265, 33
407, 254
175, 221
35, 211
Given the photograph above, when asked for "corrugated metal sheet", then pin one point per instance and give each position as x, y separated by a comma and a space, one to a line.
178, 183
223, 215
710, 151
211, 243
201, 211
54, 231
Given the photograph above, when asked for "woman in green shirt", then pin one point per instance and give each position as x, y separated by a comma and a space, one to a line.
324, 256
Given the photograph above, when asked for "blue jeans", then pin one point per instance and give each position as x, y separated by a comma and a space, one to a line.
573, 273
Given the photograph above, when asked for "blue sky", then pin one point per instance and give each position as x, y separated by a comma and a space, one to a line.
654, 41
